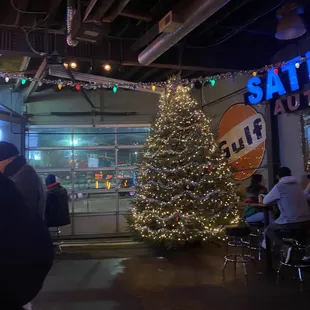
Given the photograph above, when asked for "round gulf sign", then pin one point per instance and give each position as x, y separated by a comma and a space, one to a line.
242, 136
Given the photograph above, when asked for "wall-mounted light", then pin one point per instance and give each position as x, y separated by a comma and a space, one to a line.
107, 67
66, 65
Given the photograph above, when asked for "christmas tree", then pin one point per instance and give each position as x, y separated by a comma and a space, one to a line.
185, 192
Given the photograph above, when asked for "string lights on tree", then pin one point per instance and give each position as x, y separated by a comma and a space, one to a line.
185, 193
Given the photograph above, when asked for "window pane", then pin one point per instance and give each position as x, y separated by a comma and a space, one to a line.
94, 136
126, 174
95, 179
101, 202
63, 177
50, 159
126, 201
132, 136
94, 158
53, 137
129, 157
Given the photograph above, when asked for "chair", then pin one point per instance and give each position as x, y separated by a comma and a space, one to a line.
235, 240
296, 240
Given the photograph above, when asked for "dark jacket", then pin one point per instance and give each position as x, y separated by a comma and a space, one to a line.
57, 206
27, 251
28, 183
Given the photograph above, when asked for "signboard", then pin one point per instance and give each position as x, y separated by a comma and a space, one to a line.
242, 136
292, 103
279, 82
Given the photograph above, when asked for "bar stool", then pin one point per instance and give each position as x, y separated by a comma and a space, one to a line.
256, 237
235, 240
55, 232
296, 240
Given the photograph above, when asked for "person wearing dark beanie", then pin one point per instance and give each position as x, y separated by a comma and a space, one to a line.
57, 203
14, 166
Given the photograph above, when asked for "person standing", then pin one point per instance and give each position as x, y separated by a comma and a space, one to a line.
57, 206
27, 252
14, 166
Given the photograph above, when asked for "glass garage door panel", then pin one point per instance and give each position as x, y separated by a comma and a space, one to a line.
84, 159
129, 157
54, 137
132, 135
95, 202
50, 159
99, 179
65, 178
93, 137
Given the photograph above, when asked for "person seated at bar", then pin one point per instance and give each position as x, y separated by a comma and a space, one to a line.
257, 187
292, 203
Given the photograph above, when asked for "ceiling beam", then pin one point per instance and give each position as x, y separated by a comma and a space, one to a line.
60, 72
13, 42
146, 17
177, 67
21, 5
147, 74
117, 8
101, 9
38, 76
165, 75
52, 10
131, 72
23, 67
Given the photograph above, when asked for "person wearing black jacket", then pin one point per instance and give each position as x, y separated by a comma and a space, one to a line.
57, 206
14, 166
27, 252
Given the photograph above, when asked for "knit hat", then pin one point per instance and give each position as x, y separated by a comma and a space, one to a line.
7, 150
50, 179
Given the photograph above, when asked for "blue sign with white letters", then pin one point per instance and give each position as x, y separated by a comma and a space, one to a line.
259, 91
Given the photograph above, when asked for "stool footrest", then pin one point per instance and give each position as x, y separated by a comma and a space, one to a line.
239, 258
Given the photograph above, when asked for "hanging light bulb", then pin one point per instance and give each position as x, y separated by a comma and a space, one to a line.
73, 65
23, 81
78, 87
107, 67
7, 79
212, 82
40, 84
114, 89
59, 86
297, 65
254, 73
153, 87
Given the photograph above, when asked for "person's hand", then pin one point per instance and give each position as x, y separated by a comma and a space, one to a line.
261, 198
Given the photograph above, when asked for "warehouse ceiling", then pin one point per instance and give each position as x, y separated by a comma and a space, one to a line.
228, 35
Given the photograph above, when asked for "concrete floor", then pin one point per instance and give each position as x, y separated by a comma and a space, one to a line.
135, 279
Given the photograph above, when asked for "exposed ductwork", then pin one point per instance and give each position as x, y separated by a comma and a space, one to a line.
70, 15
198, 12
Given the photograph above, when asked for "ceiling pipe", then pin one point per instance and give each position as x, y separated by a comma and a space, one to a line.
199, 11
70, 15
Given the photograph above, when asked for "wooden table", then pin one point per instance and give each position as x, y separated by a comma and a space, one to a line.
265, 209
